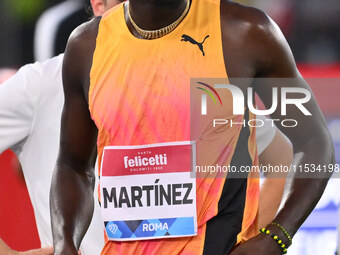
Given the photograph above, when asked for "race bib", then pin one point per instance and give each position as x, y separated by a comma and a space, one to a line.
148, 191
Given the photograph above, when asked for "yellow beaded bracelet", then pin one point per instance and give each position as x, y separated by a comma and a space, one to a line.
276, 239
283, 230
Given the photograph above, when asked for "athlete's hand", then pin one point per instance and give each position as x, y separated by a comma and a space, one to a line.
260, 245
66, 249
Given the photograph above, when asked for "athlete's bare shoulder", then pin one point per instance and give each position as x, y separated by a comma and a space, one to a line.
255, 37
240, 14
86, 33
78, 55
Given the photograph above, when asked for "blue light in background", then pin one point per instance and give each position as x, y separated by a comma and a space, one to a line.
319, 234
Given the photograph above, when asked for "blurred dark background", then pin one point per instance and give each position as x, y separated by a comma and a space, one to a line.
312, 27
18, 20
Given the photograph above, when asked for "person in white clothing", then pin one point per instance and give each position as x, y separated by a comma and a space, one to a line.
31, 102
30, 111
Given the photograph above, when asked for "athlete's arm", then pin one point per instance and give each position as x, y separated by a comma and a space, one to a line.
71, 197
279, 152
274, 149
311, 140
262, 51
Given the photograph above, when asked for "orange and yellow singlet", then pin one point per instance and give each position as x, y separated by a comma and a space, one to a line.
140, 95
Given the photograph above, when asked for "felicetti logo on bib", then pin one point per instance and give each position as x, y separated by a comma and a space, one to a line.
147, 191
142, 162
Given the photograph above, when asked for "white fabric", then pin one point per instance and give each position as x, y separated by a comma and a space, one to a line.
30, 111
264, 134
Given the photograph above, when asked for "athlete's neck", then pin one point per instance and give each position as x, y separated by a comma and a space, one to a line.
155, 14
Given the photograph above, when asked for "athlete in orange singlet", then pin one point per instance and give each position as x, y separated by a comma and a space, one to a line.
125, 93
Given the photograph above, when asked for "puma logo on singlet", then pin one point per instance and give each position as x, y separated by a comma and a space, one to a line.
187, 38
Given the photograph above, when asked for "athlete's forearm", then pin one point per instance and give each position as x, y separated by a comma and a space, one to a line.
305, 193
72, 204
279, 152
270, 199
